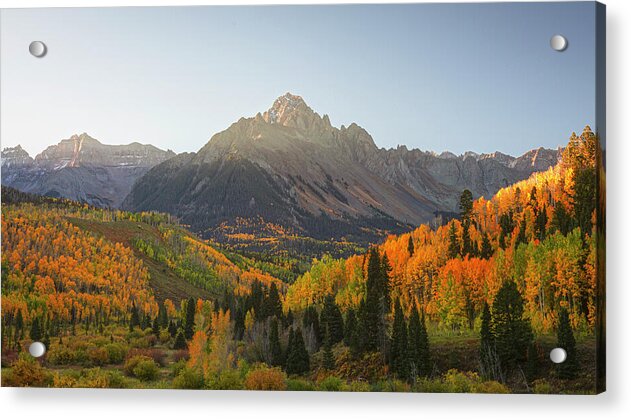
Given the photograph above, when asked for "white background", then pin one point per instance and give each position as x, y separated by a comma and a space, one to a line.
53, 404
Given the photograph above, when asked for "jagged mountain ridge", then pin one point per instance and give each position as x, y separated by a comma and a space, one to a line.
82, 169
292, 167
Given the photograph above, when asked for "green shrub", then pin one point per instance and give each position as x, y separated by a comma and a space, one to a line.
132, 362
98, 356
300, 385
228, 379
61, 355
146, 370
116, 352
26, 371
189, 379
541, 386
393, 385
359, 386
331, 383
164, 337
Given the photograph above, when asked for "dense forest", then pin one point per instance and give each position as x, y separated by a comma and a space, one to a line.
133, 300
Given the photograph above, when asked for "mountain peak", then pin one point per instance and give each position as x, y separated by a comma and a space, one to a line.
292, 111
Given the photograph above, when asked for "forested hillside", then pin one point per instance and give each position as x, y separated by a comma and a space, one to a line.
135, 300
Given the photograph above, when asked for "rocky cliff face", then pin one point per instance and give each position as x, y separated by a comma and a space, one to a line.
290, 166
82, 169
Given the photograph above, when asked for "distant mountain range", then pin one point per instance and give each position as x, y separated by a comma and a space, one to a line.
287, 166
291, 167
82, 169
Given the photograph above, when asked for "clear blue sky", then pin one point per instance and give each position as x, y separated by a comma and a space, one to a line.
437, 77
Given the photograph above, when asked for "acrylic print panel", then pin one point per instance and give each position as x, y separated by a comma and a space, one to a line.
403, 198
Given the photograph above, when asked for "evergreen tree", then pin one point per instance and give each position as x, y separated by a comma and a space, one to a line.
371, 308
486, 336
256, 298
36, 331
272, 305
290, 346
310, 319
19, 326
180, 341
399, 361
298, 358
541, 220
561, 219
488, 356
328, 360
352, 335
424, 355
134, 319
466, 205
350, 327
511, 331
276, 352
415, 344
189, 320
288, 320
467, 245
155, 327
533, 361
172, 328
454, 248
565, 340
331, 320
486, 251
239, 324
163, 318
521, 236
410, 245
385, 284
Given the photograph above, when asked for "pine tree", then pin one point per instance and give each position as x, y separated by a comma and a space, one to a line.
298, 358
172, 328
424, 354
565, 340
180, 341
414, 344
328, 360
521, 236
350, 327
486, 250
486, 336
488, 355
134, 319
155, 327
290, 346
331, 320
256, 299
410, 246
371, 311
36, 331
467, 245
189, 320
454, 248
385, 284
288, 319
163, 318
272, 305
276, 352
19, 327
310, 319
541, 220
512, 333
399, 361
239, 324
